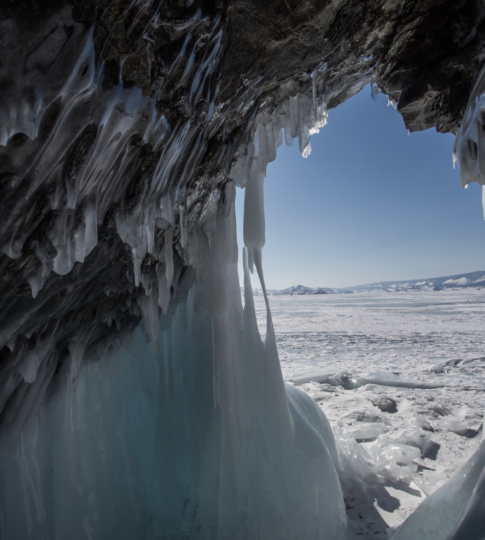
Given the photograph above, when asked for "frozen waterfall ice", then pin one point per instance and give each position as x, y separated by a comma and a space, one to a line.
196, 437
181, 427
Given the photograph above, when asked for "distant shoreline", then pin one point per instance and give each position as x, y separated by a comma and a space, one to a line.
455, 282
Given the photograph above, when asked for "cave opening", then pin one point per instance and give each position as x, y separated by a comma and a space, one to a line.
385, 205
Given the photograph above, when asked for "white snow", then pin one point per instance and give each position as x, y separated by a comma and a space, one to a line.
432, 338
460, 281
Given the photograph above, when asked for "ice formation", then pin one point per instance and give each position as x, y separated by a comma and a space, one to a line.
184, 428
118, 206
348, 380
455, 511
469, 148
116, 449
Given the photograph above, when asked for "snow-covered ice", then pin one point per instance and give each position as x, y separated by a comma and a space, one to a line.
411, 440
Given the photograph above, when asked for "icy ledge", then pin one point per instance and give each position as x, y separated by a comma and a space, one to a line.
348, 380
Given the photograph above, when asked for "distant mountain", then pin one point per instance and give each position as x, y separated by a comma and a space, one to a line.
459, 281
300, 289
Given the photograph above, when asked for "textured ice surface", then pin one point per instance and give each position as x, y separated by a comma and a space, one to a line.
455, 511
185, 430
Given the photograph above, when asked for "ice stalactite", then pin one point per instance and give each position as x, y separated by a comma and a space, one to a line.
185, 430
469, 148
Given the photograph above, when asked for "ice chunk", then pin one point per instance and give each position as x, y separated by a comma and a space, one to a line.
368, 432
395, 460
458, 426
390, 379
429, 484
384, 403
355, 462
410, 437
423, 423
364, 425
350, 381
454, 511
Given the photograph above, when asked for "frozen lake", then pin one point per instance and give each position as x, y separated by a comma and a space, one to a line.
427, 337
400, 332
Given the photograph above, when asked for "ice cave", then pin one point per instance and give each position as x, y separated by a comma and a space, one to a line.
138, 399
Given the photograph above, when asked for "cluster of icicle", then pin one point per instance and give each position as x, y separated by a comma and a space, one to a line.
106, 130
195, 438
125, 121
85, 145
469, 148
110, 129
82, 197
186, 429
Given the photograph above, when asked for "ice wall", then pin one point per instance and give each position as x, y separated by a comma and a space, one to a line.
181, 427
185, 430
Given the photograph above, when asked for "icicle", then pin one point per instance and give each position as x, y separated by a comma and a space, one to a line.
183, 227
294, 116
304, 141
163, 289
37, 282
91, 231
308, 150
168, 255
63, 262
254, 223
136, 267
314, 92
149, 306
167, 208
374, 91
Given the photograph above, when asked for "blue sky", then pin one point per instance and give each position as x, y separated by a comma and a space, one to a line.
370, 203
